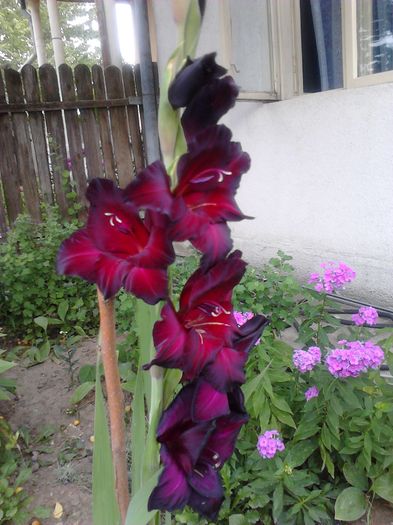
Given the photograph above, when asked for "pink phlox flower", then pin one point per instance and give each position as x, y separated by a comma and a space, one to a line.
334, 277
269, 443
366, 315
357, 357
243, 317
311, 392
304, 360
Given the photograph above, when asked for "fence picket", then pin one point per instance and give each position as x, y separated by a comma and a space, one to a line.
73, 130
104, 123
91, 138
32, 94
133, 118
24, 153
55, 126
121, 143
8, 165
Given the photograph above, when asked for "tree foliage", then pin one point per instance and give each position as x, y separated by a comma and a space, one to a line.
79, 27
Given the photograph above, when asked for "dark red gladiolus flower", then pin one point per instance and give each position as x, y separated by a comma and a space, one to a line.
227, 369
203, 200
208, 177
117, 248
192, 77
192, 452
191, 338
210, 103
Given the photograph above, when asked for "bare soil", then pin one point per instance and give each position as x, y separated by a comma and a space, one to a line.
62, 461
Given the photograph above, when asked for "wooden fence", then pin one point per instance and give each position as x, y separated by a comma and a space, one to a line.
56, 133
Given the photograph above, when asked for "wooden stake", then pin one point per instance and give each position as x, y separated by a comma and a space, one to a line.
115, 400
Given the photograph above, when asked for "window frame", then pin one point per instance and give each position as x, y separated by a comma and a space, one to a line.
350, 52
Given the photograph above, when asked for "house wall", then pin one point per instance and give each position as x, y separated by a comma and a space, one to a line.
321, 182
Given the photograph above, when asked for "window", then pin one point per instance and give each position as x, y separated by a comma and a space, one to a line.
277, 49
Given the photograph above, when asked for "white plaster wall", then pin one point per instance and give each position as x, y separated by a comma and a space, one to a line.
321, 182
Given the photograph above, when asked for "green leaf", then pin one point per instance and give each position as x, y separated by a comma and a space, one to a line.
5, 365
383, 486
300, 453
278, 502
42, 322
105, 508
81, 392
350, 505
355, 476
87, 373
137, 513
237, 519
63, 309
138, 433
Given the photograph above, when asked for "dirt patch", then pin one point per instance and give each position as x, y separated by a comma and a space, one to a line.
60, 448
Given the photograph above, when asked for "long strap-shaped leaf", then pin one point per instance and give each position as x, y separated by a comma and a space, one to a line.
105, 508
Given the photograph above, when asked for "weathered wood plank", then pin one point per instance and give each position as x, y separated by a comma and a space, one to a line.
104, 124
37, 126
3, 217
24, 153
133, 119
56, 138
73, 131
91, 137
121, 142
8, 165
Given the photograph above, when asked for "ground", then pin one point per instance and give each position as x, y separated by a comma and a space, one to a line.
62, 461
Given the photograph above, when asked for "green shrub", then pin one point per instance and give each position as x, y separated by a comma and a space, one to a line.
30, 286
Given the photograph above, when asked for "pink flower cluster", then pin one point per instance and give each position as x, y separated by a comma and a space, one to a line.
355, 358
333, 277
269, 444
366, 315
311, 392
242, 317
305, 360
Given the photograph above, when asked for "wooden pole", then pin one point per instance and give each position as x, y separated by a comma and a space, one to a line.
115, 400
152, 145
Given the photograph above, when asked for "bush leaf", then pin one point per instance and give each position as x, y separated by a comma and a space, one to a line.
383, 486
350, 505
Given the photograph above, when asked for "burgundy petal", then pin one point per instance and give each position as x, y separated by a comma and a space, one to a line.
223, 440
215, 243
189, 226
178, 411
192, 77
148, 284
209, 104
103, 192
213, 206
205, 480
248, 334
157, 253
226, 369
151, 189
216, 282
208, 402
78, 256
212, 162
208, 507
169, 339
200, 350
172, 491
110, 275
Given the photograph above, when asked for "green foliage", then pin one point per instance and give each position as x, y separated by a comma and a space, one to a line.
338, 447
78, 25
55, 305
13, 499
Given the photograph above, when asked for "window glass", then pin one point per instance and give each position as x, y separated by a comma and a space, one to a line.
374, 36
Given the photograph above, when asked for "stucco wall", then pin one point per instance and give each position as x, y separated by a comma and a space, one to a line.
321, 183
